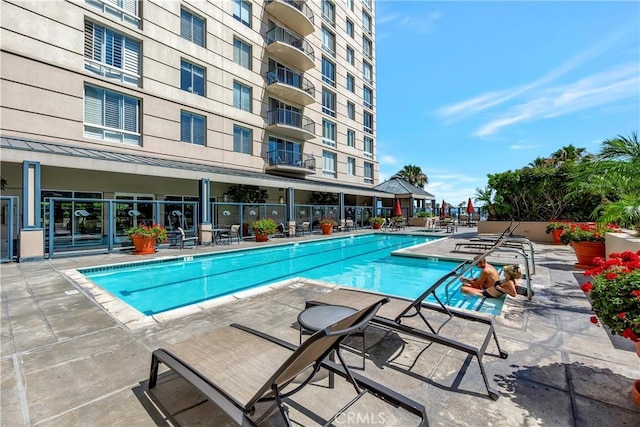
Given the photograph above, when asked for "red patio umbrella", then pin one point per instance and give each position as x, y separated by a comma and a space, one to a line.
470, 208
398, 210
442, 209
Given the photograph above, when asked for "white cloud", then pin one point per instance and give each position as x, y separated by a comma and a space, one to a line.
387, 160
603, 88
523, 147
470, 107
418, 24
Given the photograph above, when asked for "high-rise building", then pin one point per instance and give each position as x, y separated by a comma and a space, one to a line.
144, 99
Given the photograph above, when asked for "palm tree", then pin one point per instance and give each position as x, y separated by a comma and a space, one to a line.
414, 175
568, 153
621, 148
539, 162
486, 196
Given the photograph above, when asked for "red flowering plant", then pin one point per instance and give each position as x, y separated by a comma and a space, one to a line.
615, 293
588, 232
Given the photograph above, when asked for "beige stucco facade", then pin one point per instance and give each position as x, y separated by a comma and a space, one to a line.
44, 78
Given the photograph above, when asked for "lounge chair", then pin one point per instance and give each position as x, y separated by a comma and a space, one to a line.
236, 367
504, 242
391, 316
182, 238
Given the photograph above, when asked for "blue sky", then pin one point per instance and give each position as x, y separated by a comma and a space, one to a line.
466, 89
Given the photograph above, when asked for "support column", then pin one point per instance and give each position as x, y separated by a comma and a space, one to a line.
31, 238
376, 209
291, 210
204, 214
341, 209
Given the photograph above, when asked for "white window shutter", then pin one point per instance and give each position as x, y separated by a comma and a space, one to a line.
93, 105
131, 56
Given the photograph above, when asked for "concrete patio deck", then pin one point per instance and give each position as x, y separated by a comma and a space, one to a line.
66, 361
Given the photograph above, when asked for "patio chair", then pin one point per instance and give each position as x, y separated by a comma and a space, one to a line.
233, 233
392, 315
182, 238
303, 228
237, 367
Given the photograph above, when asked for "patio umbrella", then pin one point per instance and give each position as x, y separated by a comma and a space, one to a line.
442, 209
398, 210
470, 209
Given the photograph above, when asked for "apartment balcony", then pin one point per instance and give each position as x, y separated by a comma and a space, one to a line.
290, 163
291, 123
290, 47
290, 86
296, 14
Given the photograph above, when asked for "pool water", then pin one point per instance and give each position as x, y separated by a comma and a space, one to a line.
363, 262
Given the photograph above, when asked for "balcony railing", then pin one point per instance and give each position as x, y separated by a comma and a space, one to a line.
300, 5
282, 116
282, 35
291, 158
291, 78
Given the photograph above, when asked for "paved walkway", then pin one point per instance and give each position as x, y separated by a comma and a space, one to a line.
65, 361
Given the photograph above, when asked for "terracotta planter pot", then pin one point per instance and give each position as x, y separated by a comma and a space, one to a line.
586, 251
327, 228
261, 237
635, 391
556, 236
635, 387
144, 245
376, 226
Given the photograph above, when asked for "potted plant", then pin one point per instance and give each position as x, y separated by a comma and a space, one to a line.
587, 241
327, 225
376, 221
614, 291
145, 237
556, 228
262, 228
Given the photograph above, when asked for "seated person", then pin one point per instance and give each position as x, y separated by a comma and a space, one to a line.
500, 287
487, 278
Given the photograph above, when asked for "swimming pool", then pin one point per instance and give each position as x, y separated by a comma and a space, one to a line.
363, 262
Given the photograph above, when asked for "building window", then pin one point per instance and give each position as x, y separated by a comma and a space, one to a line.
349, 4
110, 54
351, 110
367, 72
368, 172
351, 166
368, 122
328, 12
329, 164
241, 139
368, 147
284, 152
351, 83
350, 55
367, 97
349, 28
242, 53
328, 102
192, 128
192, 27
366, 22
328, 133
351, 138
328, 72
367, 47
328, 41
241, 96
123, 10
111, 116
242, 12
191, 78
367, 3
